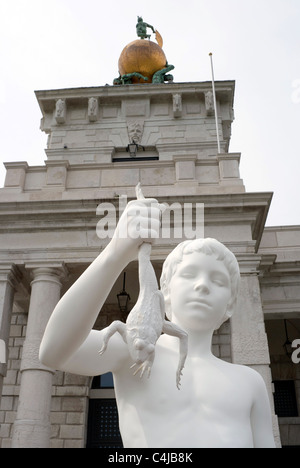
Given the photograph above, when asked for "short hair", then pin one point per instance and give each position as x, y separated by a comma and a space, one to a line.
206, 246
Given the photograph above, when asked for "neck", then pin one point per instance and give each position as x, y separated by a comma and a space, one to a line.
199, 342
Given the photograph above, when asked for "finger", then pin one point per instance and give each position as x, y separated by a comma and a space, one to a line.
162, 207
148, 234
143, 221
144, 201
138, 191
143, 210
154, 224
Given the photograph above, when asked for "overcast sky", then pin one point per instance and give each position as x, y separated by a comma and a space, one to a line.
77, 43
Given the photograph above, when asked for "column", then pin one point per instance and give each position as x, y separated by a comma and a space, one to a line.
249, 341
32, 425
9, 278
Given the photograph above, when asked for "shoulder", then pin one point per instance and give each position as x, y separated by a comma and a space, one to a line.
249, 381
249, 376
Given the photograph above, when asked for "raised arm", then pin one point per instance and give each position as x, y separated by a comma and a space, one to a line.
74, 316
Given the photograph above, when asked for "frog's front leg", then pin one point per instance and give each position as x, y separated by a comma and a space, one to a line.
171, 329
116, 326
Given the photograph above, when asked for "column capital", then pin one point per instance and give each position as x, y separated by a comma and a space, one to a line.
10, 273
249, 263
47, 270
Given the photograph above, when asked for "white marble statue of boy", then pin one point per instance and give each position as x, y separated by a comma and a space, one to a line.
219, 404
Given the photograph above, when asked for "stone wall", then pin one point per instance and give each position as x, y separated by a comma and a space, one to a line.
69, 410
11, 385
69, 397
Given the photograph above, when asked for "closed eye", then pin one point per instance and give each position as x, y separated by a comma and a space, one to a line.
187, 273
220, 280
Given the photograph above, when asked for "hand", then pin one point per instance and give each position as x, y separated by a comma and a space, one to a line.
140, 222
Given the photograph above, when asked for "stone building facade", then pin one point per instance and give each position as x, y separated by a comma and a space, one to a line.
48, 236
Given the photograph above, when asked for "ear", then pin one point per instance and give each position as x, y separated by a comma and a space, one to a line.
228, 314
230, 309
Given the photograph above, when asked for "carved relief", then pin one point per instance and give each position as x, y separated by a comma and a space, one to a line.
93, 109
209, 103
177, 105
135, 130
60, 111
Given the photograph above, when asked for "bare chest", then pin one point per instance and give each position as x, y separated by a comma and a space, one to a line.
212, 408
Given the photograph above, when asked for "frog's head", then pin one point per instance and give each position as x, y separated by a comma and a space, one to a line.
142, 349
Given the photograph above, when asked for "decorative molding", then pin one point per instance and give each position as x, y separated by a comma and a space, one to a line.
93, 108
135, 130
10, 273
60, 111
209, 103
47, 270
177, 105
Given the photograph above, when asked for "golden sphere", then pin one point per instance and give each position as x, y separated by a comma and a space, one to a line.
142, 56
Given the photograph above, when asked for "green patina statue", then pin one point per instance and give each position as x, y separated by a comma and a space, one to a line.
160, 76
127, 79
142, 58
141, 28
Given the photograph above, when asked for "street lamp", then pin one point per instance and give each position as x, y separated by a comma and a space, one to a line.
288, 344
123, 298
133, 148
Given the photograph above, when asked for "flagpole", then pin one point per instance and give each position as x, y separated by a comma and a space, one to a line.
215, 103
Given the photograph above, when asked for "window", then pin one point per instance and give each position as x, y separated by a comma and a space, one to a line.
103, 424
103, 381
103, 419
285, 398
137, 158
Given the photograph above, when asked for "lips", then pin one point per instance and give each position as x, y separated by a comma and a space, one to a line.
199, 301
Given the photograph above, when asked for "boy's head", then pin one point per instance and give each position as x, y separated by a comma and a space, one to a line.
207, 246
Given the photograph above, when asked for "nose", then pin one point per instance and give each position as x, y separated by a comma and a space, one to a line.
201, 285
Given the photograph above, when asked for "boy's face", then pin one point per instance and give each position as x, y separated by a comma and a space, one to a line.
200, 291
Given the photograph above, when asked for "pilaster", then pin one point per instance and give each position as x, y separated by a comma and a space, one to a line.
56, 174
249, 343
229, 168
15, 175
9, 278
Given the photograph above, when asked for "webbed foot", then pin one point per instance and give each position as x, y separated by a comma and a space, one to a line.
145, 366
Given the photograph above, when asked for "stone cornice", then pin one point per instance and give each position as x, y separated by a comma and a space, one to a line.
9, 272
283, 269
48, 98
249, 208
215, 203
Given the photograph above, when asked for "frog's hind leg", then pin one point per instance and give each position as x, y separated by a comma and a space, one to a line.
116, 326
